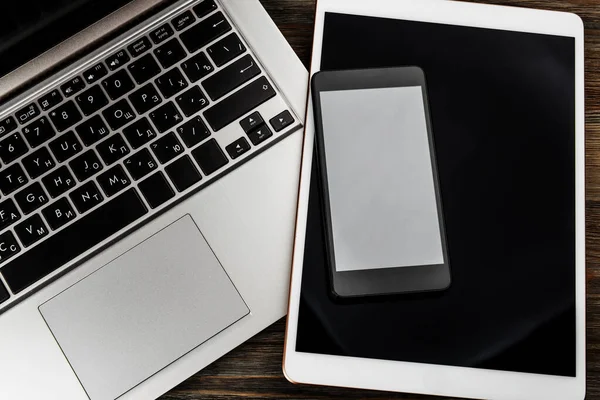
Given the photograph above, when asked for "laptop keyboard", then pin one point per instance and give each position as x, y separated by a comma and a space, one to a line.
139, 129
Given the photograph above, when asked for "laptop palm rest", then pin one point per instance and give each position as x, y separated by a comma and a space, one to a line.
143, 310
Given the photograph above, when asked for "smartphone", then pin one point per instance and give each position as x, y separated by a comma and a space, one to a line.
382, 209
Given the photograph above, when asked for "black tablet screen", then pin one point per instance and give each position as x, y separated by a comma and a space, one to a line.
503, 115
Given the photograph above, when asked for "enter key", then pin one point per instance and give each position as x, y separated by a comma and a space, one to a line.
231, 77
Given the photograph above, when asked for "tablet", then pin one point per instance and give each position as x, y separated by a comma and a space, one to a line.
374, 146
505, 94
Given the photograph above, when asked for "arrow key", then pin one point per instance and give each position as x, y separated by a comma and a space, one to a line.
282, 121
238, 148
251, 122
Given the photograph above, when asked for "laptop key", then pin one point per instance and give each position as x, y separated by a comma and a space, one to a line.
38, 163
113, 149
183, 173
7, 125
238, 148
197, 67
91, 100
59, 213
193, 132
95, 73
86, 197
192, 101
92, 130
145, 99
205, 32
116, 60
139, 133
31, 230
183, 21
143, 69
8, 213
167, 148
11, 148
118, 114
86, 165
65, 116
231, 77
140, 164
38, 132
241, 102
117, 84
251, 122
171, 82
165, 117
31, 198
282, 121
27, 113
65, 146
161, 33
156, 190
50, 100
3, 294
210, 157
58, 181
205, 8
73, 86
98, 225
139, 47
113, 181
170, 53
12, 178
260, 134
226, 49
9, 246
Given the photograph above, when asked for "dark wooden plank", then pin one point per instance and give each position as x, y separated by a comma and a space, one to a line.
253, 371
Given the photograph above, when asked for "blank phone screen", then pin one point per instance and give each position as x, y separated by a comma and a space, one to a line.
380, 179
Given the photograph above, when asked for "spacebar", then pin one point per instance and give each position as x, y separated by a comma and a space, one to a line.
71, 242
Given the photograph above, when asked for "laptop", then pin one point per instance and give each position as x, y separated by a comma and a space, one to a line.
149, 162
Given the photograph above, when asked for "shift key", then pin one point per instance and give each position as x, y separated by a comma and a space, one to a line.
240, 103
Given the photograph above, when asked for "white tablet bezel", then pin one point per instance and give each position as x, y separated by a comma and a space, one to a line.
396, 376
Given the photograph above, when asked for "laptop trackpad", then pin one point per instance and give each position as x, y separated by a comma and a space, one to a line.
143, 310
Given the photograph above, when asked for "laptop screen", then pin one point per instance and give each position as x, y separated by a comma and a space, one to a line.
31, 27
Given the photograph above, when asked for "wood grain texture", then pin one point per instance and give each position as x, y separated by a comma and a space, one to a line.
253, 371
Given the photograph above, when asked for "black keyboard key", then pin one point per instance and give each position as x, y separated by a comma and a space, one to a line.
92, 130
65, 116
205, 32
65, 146
50, 100
165, 117
192, 101
205, 8
140, 164
140, 46
167, 148
226, 49
86, 197
86, 165
117, 84
139, 133
27, 113
59, 213
238, 148
117, 60
38, 132
193, 132
7, 125
183, 173
8, 246
73, 86
170, 53
251, 122
260, 134
144, 69
3, 294
31, 230
118, 114
12, 178
12, 147
113, 149
113, 181
161, 33
91, 100
282, 121
210, 157
31, 198
231, 77
239, 103
95, 73
58, 181
171, 82
197, 67
183, 21
156, 190
51, 254
145, 99
38, 163
8, 213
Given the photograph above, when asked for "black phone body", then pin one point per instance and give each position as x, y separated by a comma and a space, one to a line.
382, 209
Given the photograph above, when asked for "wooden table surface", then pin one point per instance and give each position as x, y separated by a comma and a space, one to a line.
253, 371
